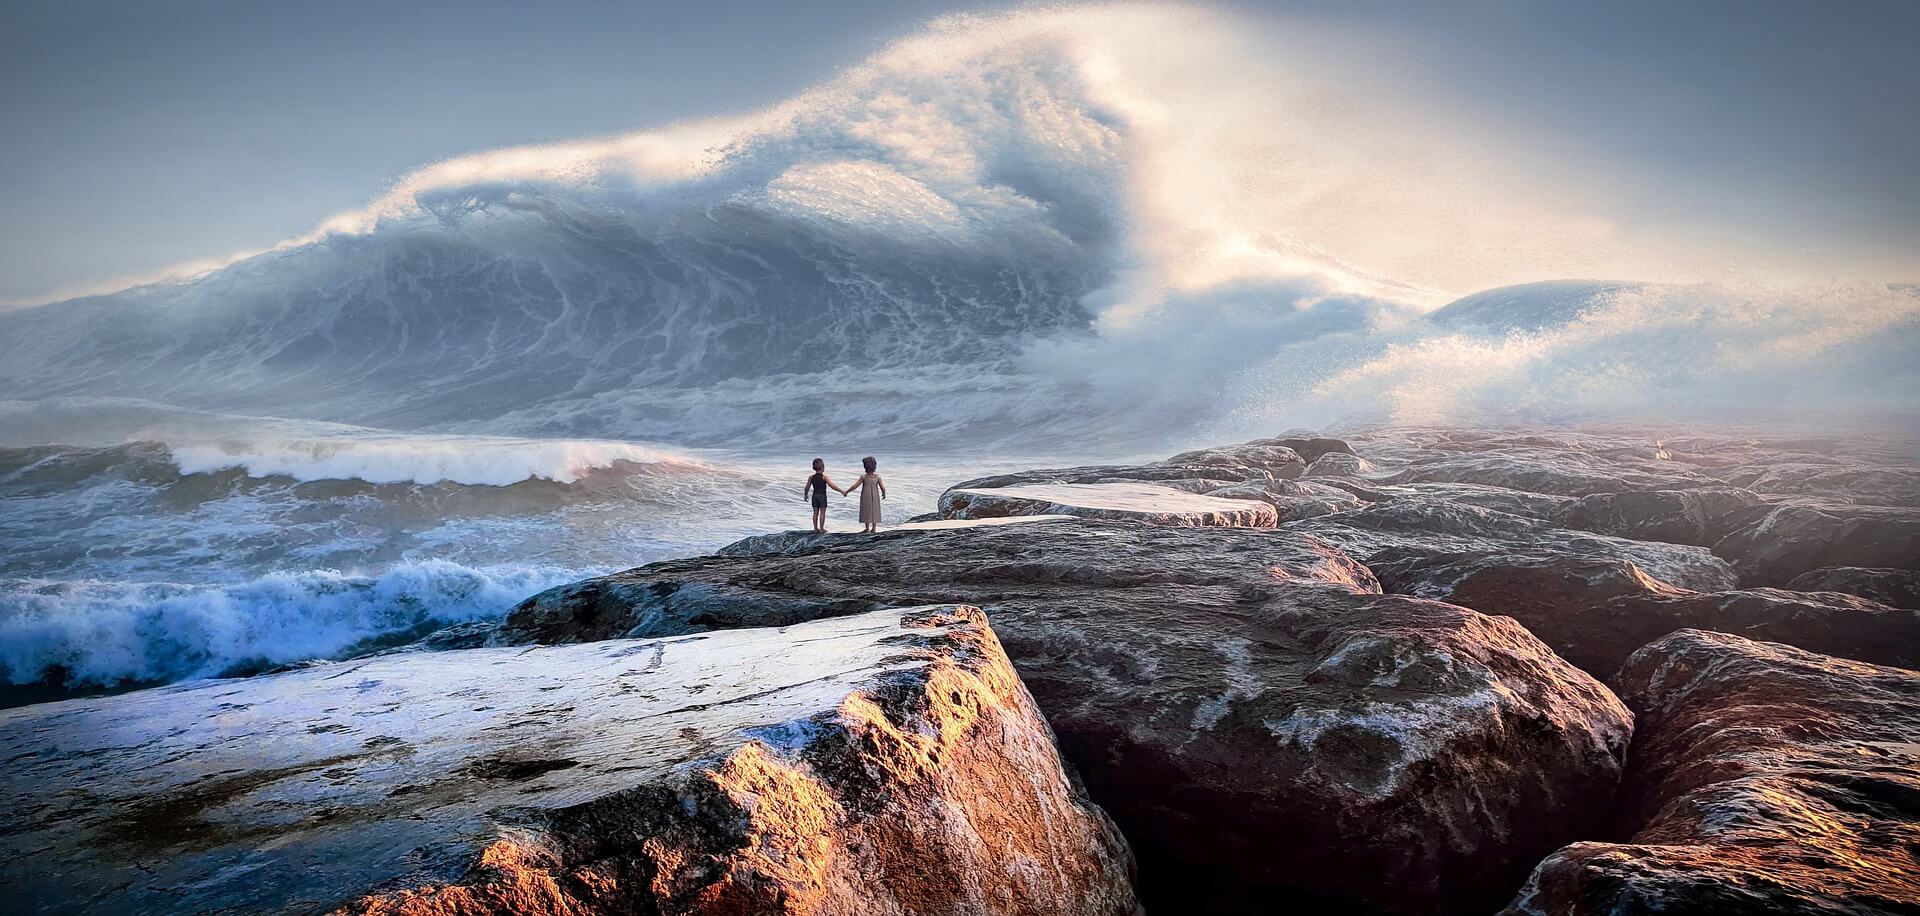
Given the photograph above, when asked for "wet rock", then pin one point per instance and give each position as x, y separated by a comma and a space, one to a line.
1896, 587
1434, 525
1148, 503
1795, 539
1340, 464
1849, 481
1595, 611
798, 542
885, 763
1292, 499
1263, 726
1701, 517
1765, 780
1561, 473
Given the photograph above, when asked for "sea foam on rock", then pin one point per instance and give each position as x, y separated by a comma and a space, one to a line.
1123, 500
1256, 718
890, 762
1765, 779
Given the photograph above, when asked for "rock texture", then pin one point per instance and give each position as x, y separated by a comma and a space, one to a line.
886, 763
1150, 503
1261, 724
1595, 612
1702, 517
1767, 780
1430, 525
1794, 539
1896, 587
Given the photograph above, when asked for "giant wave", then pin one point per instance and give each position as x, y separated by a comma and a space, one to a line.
988, 232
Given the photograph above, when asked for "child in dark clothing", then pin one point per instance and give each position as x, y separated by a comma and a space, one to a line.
816, 492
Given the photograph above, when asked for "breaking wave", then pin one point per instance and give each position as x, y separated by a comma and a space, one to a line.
103, 632
1051, 223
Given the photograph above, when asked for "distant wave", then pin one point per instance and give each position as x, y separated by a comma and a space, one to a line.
105, 632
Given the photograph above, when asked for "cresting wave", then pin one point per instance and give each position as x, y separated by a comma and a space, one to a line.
987, 233
102, 633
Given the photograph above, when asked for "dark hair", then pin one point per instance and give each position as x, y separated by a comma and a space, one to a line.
869, 463
819, 464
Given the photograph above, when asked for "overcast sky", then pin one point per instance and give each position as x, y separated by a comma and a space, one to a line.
135, 134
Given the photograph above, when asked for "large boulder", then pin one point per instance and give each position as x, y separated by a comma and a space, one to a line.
1260, 723
1701, 517
1765, 780
1798, 538
1436, 524
1596, 611
1896, 587
1148, 503
886, 763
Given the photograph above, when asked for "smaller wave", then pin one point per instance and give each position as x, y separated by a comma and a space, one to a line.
423, 459
97, 632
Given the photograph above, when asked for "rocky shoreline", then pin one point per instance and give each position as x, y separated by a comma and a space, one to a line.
1408, 670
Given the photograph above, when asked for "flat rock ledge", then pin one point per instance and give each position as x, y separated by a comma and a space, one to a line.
1133, 501
1767, 780
889, 762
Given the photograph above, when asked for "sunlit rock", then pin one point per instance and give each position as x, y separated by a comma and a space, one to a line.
884, 763
1259, 722
1764, 780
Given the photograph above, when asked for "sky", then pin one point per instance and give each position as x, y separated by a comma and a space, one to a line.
139, 135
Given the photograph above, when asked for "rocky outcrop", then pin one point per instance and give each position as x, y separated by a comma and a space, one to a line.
1434, 525
798, 542
1765, 779
885, 763
1795, 539
1259, 722
763, 581
1292, 499
1595, 612
1701, 517
1896, 587
1148, 503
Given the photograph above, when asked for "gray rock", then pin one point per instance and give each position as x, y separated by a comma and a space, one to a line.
885, 763
1428, 525
1795, 539
1596, 611
1765, 780
1896, 587
1701, 517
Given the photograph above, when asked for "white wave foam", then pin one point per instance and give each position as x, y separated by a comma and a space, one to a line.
424, 459
103, 632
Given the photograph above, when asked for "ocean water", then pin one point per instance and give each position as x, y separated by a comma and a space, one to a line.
1049, 236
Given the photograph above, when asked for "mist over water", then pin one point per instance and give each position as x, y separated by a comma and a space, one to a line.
1049, 235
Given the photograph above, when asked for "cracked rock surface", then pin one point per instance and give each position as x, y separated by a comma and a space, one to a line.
1765, 780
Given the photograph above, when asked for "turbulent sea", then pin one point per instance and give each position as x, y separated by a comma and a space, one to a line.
990, 246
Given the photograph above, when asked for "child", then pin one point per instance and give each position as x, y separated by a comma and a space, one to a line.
816, 490
872, 491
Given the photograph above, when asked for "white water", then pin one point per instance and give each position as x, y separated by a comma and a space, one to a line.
1075, 232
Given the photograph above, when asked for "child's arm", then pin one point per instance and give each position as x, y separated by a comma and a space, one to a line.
883, 486
835, 486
